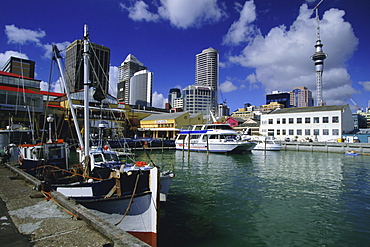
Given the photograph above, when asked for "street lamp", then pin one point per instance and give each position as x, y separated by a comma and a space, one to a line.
50, 120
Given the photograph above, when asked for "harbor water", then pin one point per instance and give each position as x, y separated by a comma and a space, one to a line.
285, 198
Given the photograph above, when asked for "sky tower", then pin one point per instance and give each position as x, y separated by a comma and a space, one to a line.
319, 58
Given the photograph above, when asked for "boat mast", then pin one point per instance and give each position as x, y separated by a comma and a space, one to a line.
58, 58
86, 58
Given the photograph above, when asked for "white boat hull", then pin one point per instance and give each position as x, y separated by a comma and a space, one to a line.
220, 147
268, 147
137, 216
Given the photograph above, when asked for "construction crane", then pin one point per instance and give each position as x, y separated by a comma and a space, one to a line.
353, 102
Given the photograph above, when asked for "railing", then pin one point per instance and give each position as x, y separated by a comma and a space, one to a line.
327, 147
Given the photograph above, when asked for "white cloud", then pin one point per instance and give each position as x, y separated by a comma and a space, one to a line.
4, 57
140, 12
61, 47
282, 58
227, 87
54, 87
113, 80
365, 84
251, 78
158, 100
181, 13
22, 36
44, 86
241, 30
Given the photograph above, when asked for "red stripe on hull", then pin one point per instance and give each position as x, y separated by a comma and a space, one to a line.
147, 237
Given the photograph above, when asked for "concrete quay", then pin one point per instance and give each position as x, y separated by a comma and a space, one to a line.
34, 220
327, 147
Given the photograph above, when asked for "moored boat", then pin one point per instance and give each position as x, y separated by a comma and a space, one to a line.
100, 181
267, 143
217, 138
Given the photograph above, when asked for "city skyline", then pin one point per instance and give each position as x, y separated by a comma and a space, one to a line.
263, 46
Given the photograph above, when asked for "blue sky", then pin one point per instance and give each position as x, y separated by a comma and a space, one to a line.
264, 45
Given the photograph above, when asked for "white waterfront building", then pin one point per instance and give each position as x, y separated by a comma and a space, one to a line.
319, 123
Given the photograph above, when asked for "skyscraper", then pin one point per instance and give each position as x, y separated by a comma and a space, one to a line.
173, 94
141, 88
280, 97
198, 98
206, 73
301, 97
127, 69
99, 66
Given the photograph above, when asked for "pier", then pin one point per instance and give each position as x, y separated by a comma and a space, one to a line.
327, 147
52, 221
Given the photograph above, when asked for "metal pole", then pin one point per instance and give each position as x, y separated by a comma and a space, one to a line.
66, 89
207, 144
86, 58
188, 146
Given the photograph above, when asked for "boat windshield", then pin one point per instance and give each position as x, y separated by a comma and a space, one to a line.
98, 158
219, 126
111, 157
228, 137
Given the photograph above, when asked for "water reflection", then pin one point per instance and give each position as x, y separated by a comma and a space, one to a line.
266, 199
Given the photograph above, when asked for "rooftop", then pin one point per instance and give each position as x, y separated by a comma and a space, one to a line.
310, 109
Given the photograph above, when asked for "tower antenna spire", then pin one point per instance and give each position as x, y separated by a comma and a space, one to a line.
319, 56
318, 19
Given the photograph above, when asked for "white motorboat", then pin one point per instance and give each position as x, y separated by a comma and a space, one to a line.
217, 138
267, 143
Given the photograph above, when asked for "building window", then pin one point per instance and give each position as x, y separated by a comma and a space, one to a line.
307, 120
291, 132
335, 132
291, 120
270, 132
278, 132
325, 119
284, 132
316, 120
325, 132
270, 121
299, 120
278, 120
335, 119
284, 121
307, 132
299, 132
316, 132
264, 122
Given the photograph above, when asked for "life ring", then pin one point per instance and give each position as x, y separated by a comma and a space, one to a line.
140, 163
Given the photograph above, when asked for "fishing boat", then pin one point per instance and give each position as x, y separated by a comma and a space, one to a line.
125, 194
215, 137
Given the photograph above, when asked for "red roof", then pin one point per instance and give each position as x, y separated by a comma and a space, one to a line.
15, 75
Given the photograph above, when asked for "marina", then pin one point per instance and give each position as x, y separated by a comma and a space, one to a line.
285, 198
263, 198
